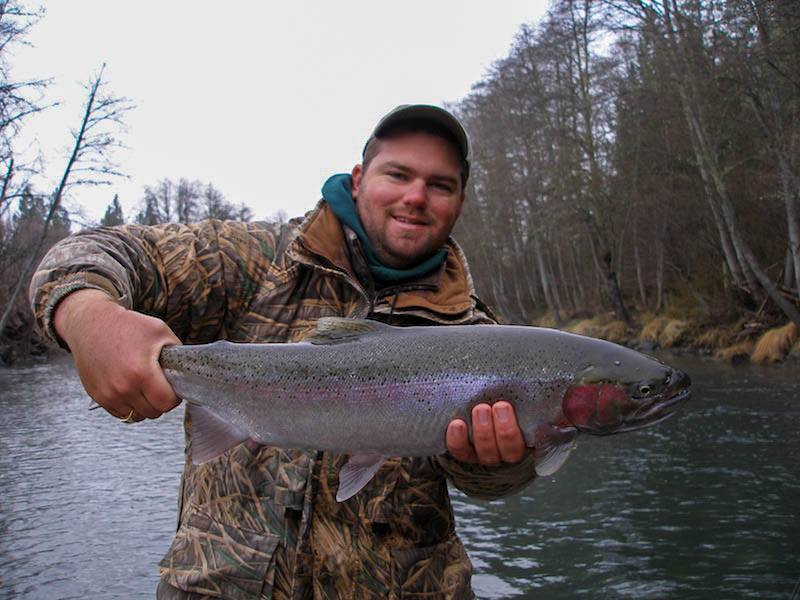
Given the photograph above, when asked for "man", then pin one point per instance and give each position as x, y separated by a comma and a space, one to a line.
264, 522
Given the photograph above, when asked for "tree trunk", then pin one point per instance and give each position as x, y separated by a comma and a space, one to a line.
598, 275
659, 274
788, 270
545, 279
638, 264
562, 275
578, 282
791, 191
55, 204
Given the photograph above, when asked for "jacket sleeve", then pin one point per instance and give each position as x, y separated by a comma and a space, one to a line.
197, 278
488, 483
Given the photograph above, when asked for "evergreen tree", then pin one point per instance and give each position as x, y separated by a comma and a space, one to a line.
113, 214
150, 213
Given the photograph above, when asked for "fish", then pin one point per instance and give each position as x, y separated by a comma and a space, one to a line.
375, 391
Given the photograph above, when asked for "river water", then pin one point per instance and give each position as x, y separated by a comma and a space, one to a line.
705, 505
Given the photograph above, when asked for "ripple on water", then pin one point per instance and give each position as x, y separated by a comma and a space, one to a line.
71, 491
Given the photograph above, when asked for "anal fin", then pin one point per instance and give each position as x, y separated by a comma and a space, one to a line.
356, 473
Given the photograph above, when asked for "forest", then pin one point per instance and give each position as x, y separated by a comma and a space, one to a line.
638, 162
635, 176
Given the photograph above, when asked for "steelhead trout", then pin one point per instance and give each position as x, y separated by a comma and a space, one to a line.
374, 391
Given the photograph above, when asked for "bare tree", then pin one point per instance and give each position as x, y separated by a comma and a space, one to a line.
19, 99
89, 163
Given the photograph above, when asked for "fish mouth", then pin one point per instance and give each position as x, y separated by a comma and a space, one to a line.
659, 409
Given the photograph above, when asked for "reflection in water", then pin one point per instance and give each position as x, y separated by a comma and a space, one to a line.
701, 506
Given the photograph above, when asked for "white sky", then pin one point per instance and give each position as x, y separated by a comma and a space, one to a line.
263, 99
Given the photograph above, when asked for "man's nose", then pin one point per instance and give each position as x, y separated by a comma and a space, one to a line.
416, 194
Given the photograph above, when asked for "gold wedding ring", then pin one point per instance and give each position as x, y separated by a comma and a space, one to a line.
131, 418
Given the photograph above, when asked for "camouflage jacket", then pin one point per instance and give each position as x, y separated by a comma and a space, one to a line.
264, 522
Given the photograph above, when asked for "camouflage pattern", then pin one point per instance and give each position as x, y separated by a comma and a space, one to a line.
264, 522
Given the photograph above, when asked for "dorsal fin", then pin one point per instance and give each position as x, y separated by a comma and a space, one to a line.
339, 330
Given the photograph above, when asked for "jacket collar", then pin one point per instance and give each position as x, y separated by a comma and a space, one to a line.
321, 242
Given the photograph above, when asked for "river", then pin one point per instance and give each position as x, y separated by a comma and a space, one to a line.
705, 505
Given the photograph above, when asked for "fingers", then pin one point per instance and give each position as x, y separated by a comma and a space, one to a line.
152, 395
458, 444
155, 388
483, 435
496, 435
509, 438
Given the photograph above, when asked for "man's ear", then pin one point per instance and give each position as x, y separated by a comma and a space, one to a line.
460, 204
356, 173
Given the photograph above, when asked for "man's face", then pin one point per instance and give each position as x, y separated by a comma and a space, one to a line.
409, 197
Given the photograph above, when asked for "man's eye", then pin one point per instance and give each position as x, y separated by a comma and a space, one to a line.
443, 187
397, 175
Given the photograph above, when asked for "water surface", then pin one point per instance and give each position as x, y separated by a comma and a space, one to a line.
702, 506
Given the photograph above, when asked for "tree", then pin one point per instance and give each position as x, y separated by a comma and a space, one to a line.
688, 31
150, 212
89, 163
187, 202
638, 151
113, 215
19, 99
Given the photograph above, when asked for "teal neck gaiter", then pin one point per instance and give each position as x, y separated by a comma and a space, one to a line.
337, 192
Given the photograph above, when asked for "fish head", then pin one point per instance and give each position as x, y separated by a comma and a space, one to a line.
624, 392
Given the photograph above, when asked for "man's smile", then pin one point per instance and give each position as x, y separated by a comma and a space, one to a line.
410, 221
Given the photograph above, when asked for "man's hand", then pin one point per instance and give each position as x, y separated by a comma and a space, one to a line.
116, 354
495, 432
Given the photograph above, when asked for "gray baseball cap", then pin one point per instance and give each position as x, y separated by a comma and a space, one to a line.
424, 112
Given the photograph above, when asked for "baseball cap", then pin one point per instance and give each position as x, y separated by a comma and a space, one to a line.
424, 112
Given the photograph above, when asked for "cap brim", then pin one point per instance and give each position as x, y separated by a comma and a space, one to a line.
426, 112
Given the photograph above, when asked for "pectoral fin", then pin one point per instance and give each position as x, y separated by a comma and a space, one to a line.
356, 473
211, 436
553, 447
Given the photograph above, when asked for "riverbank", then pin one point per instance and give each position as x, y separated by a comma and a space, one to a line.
744, 340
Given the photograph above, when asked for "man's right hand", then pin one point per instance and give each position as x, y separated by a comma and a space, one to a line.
116, 354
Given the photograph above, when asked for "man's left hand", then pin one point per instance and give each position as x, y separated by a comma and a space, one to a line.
495, 432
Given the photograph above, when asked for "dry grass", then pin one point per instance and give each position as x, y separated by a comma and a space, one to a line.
736, 352
588, 327
616, 331
546, 320
600, 326
713, 338
774, 344
672, 333
652, 329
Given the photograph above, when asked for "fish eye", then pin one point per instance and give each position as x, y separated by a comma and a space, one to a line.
645, 389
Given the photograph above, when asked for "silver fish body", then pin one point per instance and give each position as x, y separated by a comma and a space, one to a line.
366, 388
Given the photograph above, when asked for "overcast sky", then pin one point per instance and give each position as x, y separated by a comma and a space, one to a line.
263, 99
